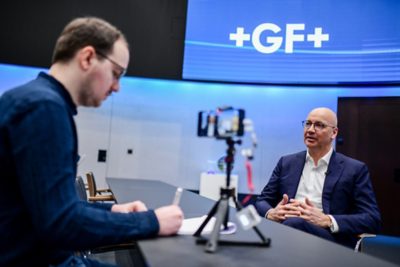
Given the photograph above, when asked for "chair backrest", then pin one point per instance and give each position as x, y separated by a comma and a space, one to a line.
91, 184
80, 188
382, 246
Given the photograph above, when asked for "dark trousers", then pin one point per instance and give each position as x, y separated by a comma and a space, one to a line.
307, 227
347, 240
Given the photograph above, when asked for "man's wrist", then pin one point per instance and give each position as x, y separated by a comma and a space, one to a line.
329, 222
266, 214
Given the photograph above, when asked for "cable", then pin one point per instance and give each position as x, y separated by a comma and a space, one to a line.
249, 155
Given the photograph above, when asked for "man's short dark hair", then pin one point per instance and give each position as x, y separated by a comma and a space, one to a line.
86, 31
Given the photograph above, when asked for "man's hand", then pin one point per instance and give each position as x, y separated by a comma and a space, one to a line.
134, 206
170, 219
312, 214
283, 210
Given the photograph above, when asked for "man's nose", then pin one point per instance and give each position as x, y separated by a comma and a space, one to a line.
311, 127
115, 86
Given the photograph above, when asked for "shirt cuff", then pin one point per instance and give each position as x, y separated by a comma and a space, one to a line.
334, 226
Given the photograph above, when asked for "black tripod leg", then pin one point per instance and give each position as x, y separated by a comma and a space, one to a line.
237, 204
212, 243
226, 217
209, 216
227, 210
262, 237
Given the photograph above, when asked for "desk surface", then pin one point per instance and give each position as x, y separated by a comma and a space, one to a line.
289, 247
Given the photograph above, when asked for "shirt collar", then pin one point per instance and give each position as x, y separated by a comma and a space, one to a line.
61, 90
325, 159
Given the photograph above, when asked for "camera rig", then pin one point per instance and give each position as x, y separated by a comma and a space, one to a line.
224, 123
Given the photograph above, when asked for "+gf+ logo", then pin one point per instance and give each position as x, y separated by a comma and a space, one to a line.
275, 42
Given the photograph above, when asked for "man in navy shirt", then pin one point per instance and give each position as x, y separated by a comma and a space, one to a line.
42, 220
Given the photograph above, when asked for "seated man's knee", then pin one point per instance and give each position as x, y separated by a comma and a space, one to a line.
303, 225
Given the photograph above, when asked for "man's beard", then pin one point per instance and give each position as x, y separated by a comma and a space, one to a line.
87, 99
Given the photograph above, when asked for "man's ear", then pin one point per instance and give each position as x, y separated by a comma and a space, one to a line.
335, 133
85, 57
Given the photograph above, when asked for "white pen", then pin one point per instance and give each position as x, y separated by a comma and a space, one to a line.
177, 197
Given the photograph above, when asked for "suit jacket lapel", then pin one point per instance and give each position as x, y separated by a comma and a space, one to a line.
297, 170
334, 172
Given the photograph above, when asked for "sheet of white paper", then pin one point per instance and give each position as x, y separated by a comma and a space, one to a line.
190, 226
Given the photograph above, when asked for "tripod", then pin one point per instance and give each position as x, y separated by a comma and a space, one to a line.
221, 210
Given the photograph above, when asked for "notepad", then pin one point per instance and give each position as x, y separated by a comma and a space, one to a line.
190, 226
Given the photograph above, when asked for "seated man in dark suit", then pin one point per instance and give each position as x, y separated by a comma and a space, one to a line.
320, 191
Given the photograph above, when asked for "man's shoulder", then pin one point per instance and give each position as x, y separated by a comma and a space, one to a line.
295, 158
34, 90
31, 93
347, 159
27, 97
297, 155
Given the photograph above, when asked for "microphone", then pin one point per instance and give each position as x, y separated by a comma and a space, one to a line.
327, 172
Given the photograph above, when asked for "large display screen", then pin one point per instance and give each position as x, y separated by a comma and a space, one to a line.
293, 41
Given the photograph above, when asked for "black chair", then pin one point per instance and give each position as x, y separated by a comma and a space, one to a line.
125, 254
80, 188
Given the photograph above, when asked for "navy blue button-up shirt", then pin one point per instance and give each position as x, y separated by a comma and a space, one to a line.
41, 217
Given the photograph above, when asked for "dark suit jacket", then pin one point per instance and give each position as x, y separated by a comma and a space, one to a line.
347, 193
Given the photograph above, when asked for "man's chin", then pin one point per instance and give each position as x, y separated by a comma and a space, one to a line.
309, 144
92, 104
98, 103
